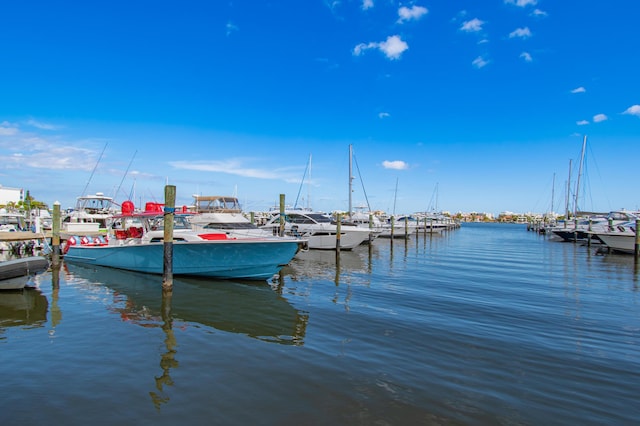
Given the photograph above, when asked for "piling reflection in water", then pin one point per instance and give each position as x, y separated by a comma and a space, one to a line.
248, 308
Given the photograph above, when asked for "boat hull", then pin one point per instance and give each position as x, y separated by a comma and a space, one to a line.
243, 259
328, 241
622, 242
15, 274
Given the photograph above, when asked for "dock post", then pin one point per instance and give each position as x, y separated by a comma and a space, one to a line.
370, 227
406, 227
169, 210
281, 233
393, 219
636, 247
338, 231
252, 217
589, 233
55, 235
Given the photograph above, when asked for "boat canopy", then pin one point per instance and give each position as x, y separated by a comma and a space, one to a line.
216, 204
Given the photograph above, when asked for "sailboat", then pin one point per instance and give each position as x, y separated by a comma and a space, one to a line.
583, 227
318, 228
362, 217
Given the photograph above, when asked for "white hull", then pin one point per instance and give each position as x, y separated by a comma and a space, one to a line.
624, 242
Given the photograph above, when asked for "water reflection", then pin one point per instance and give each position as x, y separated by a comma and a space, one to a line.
249, 308
330, 265
23, 308
168, 359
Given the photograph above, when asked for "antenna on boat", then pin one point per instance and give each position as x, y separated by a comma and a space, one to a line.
94, 169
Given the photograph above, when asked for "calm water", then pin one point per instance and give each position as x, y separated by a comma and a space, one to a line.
487, 324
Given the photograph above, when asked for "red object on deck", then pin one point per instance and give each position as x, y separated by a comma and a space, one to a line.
213, 236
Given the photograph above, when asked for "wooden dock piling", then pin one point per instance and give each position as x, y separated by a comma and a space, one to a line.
55, 238
636, 247
169, 210
281, 233
338, 231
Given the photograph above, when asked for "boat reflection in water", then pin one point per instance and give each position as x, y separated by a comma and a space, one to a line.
253, 309
318, 264
23, 308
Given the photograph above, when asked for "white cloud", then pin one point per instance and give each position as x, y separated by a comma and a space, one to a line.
8, 129
231, 166
393, 47
480, 62
521, 33
384, 115
395, 165
40, 125
414, 12
51, 157
579, 90
522, 3
471, 26
599, 118
633, 110
582, 122
539, 13
231, 28
367, 4
526, 56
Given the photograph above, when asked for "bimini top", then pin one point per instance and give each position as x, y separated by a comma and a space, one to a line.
216, 204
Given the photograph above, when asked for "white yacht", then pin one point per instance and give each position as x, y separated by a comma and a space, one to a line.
319, 229
223, 214
90, 214
621, 237
399, 227
12, 221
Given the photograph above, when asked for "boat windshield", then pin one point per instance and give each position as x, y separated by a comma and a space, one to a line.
94, 204
230, 225
179, 222
307, 218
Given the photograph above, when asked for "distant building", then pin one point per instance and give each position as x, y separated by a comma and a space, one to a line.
10, 195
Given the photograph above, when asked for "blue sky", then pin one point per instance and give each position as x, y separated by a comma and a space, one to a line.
454, 105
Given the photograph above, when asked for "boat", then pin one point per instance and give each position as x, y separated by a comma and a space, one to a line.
135, 241
584, 228
90, 214
619, 238
368, 221
434, 223
398, 227
253, 309
223, 214
318, 228
12, 221
15, 274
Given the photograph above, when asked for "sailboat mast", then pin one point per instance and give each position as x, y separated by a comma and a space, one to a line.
309, 186
575, 205
553, 190
566, 216
395, 195
94, 169
350, 179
